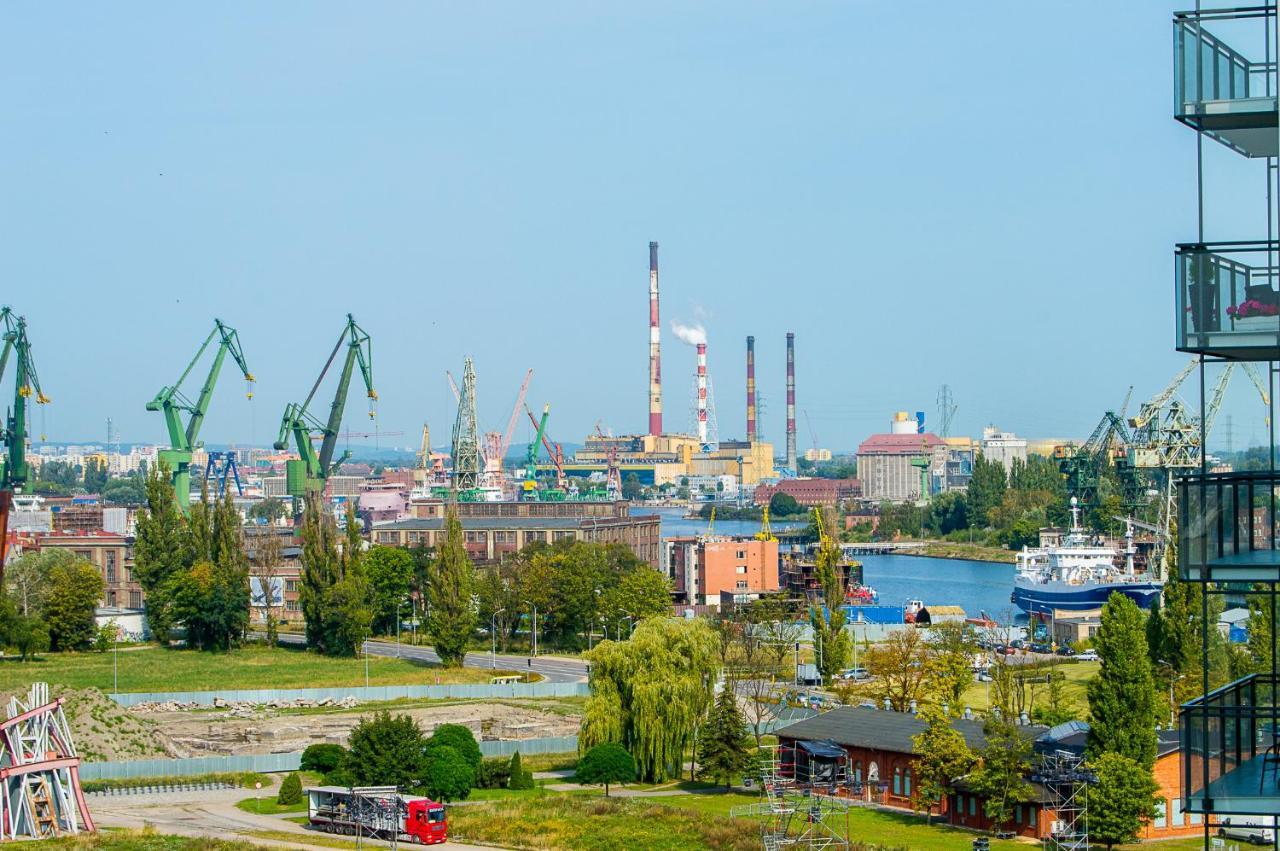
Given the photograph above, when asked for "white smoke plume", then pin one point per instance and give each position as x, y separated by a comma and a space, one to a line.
689, 334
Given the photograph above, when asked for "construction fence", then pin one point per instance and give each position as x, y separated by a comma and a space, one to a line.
364, 694
267, 763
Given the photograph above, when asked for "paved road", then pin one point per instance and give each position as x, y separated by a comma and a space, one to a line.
214, 814
555, 669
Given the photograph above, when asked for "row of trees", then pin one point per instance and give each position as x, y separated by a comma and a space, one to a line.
49, 602
59, 478
193, 569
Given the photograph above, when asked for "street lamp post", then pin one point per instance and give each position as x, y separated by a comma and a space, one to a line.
493, 638
365, 647
115, 663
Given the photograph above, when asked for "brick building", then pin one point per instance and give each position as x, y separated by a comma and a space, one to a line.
881, 753
811, 492
493, 529
273, 588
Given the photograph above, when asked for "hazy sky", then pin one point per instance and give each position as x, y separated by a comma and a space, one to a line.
984, 195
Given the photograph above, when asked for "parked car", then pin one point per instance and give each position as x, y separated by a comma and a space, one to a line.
1065, 650
1246, 828
1041, 648
1088, 656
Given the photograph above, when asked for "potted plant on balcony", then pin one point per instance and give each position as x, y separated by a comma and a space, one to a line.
1254, 315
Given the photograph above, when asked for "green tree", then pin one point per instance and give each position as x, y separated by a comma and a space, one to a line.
129, 490
162, 550
27, 578
1121, 800
333, 593
211, 598
1122, 698
449, 777
520, 777
951, 648
95, 476
322, 757
724, 745
290, 790
1056, 709
390, 574
270, 510
453, 617
459, 738
1173, 634
1001, 775
387, 750
74, 592
783, 505
900, 664
944, 755
948, 512
986, 490
649, 694
604, 764
631, 486
831, 641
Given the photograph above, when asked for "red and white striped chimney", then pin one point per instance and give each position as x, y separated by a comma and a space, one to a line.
751, 389
655, 356
702, 394
791, 401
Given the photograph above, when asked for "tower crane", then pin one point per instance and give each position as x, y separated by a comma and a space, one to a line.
306, 477
170, 401
14, 469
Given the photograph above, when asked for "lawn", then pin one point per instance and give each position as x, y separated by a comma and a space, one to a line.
1078, 675
265, 805
142, 840
156, 669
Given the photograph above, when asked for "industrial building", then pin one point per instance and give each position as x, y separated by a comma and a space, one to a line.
811, 493
1003, 446
492, 530
898, 466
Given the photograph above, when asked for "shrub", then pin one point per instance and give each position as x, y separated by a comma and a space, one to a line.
386, 751
520, 779
460, 739
448, 775
322, 758
290, 790
493, 773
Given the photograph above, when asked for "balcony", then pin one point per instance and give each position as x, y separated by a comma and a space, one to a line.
1218, 89
1228, 300
1226, 527
1229, 752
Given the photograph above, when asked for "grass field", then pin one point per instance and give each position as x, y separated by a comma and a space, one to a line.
156, 669
1078, 675
141, 840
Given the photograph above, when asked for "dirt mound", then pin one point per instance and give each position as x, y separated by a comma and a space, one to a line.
103, 730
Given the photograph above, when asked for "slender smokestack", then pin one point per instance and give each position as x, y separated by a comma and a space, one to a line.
791, 401
702, 394
751, 390
655, 355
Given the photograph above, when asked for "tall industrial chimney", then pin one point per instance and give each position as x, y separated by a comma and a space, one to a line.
655, 356
791, 401
702, 394
751, 390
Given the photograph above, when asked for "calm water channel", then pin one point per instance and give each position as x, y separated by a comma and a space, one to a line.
975, 586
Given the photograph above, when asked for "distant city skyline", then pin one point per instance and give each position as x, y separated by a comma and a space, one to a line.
925, 194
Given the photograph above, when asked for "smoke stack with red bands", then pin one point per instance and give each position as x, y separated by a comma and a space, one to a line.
791, 401
751, 389
702, 394
655, 356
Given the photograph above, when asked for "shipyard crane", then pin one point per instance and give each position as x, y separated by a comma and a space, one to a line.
184, 439
766, 532
553, 452
306, 477
14, 469
515, 415
531, 454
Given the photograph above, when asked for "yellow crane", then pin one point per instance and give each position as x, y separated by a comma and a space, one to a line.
765, 533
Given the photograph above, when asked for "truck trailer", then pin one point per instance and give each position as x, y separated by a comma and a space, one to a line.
377, 811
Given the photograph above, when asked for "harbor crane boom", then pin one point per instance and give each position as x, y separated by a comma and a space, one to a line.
515, 415
14, 469
185, 439
306, 477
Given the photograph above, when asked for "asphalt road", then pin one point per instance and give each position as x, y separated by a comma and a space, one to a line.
555, 669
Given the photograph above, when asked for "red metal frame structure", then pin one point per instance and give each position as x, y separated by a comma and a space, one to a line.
40, 794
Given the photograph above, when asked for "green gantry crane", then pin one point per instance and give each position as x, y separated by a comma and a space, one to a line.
306, 477
14, 469
531, 456
185, 439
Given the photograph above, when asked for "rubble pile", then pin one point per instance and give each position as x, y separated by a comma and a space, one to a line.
243, 708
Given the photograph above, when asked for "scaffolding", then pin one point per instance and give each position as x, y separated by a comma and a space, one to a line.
40, 794
1063, 775
804, 801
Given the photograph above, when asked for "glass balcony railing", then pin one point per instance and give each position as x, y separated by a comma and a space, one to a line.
1229, 299
1226, 527
1229, 747
1225, 76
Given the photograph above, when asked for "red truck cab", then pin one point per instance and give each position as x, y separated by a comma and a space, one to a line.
425, 821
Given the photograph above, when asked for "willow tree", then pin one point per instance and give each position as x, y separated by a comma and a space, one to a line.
650, 693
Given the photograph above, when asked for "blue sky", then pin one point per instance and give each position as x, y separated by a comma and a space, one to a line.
984, 195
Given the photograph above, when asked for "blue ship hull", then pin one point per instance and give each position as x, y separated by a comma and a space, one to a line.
1045, 599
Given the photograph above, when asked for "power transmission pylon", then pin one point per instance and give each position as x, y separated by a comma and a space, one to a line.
946, 409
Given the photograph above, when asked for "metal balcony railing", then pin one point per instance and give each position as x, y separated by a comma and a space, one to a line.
1227, 527
1229, 749
1228, 299
1225, 76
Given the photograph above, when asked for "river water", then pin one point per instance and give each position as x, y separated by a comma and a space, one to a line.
975, 586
